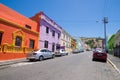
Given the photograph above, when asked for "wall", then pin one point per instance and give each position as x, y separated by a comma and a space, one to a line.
47, 22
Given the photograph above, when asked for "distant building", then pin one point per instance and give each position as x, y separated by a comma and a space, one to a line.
73, 43
93, 42
79, 44
50, 32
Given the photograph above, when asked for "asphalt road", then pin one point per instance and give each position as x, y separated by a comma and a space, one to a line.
72, 67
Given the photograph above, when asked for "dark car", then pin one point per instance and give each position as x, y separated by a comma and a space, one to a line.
99, 54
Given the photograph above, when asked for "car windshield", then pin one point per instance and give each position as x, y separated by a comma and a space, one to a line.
100, 50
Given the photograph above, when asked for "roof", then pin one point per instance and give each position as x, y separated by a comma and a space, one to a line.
13, 16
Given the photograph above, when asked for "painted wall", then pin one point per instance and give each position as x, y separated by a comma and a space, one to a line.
47, 22
66, 41
13, 23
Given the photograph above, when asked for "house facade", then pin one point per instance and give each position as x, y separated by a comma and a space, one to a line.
17, 32
66, 40
50, 32
73, 44
79, 44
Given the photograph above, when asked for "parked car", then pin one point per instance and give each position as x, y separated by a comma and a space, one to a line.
81, 50
75, 51
99, 54
40, 55
61, 52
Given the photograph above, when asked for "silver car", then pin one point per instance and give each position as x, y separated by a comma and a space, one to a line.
40, 55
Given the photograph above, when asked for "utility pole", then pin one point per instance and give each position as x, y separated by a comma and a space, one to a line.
105, 21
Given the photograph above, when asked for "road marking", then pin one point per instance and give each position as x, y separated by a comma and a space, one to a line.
20, 64
114, 66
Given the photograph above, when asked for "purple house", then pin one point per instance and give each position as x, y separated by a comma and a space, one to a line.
50, 32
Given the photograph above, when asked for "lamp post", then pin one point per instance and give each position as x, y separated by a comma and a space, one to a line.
105, 21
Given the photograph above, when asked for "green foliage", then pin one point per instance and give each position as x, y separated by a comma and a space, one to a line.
111, 42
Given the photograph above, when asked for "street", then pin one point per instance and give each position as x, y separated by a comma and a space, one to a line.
72, 67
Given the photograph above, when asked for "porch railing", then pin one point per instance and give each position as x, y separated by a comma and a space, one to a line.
12, 49
0, 48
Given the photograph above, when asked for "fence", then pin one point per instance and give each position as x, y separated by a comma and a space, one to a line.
117, 51
0, 48
10, 52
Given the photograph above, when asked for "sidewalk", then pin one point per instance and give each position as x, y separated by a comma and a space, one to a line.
8, 62
115, 62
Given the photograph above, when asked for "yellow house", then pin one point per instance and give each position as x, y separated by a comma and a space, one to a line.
66, 41
73, 44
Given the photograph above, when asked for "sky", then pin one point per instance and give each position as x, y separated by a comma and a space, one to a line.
80, 18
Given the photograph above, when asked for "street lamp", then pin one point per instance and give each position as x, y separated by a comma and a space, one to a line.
105, 21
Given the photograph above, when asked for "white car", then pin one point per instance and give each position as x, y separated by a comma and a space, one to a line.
40, 55
61, 52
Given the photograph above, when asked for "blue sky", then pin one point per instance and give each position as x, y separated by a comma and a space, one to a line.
81, 18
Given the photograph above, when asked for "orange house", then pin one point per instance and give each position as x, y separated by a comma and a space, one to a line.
17, 30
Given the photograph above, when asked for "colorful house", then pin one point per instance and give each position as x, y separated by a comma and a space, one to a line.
66, 39
50, 32
73, 44
79, 44
17, 32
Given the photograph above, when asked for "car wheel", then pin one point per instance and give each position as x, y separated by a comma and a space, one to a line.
41, 58
31, 60
53, 56
105, 61
67, 54
93, 59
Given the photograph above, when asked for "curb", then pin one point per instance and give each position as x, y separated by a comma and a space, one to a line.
9, 62
113, 65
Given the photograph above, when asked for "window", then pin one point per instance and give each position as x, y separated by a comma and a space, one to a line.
47, 29
53, 33
18, 41
44, 50
58, 35
57, 46
1, 38
53, 47
46, 44
27, 26
32, 42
